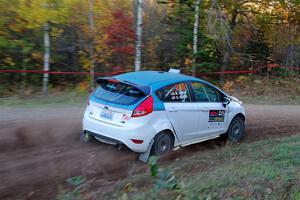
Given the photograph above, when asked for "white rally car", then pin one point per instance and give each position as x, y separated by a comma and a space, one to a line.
153, 112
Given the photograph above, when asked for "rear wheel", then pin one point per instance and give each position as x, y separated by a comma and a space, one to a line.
236, 129
163, 143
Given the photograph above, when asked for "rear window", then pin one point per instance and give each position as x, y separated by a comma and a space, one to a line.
118, 93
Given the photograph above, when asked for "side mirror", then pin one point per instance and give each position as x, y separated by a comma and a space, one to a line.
225, 101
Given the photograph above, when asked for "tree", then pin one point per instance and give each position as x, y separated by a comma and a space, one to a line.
120, 38
139, 24
91, 45
195, 36
40, 14
98, 35
46, 58
196, 50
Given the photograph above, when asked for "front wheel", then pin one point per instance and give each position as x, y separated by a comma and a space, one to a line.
236, 129
163, 143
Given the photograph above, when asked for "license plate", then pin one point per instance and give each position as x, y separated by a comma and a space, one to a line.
107, 115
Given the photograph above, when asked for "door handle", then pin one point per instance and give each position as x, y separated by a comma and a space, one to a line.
172, 109
205, 109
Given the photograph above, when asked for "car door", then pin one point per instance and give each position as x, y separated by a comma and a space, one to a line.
210, 99
181, 111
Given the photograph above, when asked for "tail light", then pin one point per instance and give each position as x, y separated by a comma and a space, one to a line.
145, 108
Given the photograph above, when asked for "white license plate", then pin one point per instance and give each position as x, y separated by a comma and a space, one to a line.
107, 115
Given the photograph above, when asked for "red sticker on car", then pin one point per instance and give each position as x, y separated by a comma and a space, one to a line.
213, 113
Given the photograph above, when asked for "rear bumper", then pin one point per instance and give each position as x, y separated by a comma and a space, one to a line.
113, 134
103, 139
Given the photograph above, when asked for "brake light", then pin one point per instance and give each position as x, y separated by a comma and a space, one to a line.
145, 108
113, 81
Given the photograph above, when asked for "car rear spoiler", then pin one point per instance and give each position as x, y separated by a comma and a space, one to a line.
143, 88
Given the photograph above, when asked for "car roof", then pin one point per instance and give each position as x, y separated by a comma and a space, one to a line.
152, 77
158, 79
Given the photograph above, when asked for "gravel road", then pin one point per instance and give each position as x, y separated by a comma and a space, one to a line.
40, 148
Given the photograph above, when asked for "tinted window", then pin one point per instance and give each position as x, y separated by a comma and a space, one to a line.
213, 94
174, 93
118, 93
199, 92
205, 93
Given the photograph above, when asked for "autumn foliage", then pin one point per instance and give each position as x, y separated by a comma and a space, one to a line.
120, 38
232, 35
120, 33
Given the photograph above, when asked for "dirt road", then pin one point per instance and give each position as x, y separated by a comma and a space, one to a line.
40, 148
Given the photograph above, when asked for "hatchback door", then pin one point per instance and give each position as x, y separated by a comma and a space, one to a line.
113, 101
181, 111
109, 114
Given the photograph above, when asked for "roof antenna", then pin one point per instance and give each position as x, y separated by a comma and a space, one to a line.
176, 71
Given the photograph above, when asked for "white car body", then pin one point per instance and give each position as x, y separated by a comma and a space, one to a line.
189, 122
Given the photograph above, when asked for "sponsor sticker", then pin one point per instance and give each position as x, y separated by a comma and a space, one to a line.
180, 92
216, 115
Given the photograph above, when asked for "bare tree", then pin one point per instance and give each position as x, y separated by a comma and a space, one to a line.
139, 24
91, 44
224, 34
46, 58
195, 35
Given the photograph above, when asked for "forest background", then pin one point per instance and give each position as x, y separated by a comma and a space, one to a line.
101, 37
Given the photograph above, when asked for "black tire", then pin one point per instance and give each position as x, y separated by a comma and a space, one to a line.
163, 143
236, 129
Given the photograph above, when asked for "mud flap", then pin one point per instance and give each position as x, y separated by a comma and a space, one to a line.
145, 156
85, 137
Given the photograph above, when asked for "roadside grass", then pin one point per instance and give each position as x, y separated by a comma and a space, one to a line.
280, 99
250, 90
268, 169
55, 99
73, 98
262, 90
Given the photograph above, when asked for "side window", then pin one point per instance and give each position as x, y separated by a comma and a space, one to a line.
174, 93
199, 92
213, 94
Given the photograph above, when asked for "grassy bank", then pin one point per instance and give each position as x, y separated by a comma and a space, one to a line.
251, 90
262, 90
268, 169
56, 99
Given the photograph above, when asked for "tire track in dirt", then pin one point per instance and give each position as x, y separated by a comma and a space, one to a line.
40, 148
